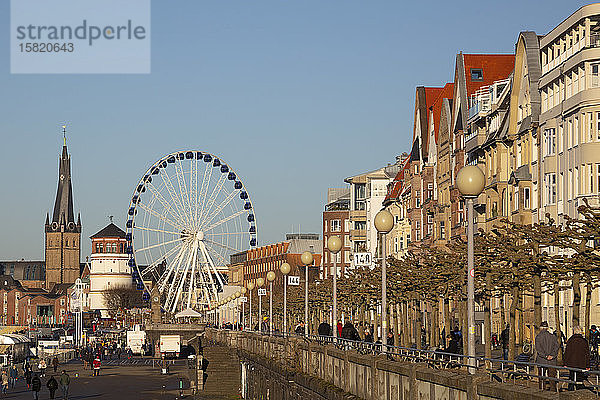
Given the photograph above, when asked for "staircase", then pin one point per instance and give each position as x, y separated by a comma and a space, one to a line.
222, 375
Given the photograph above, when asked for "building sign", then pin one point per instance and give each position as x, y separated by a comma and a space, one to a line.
262, 292
363, 259
293, 280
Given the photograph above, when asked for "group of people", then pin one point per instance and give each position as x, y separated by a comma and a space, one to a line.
33, 380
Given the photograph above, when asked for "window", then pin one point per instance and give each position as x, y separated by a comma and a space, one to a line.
526, 198
591, 126
336, 225
359, 196
576, 132
417, 199
598, 125
516, 198
598, 177
442, 230
476, 74
360, 225
570, 134
429, 190
396, 244
595, 82
347, 240
550, 186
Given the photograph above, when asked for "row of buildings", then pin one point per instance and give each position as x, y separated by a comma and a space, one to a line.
530, 120
43, 292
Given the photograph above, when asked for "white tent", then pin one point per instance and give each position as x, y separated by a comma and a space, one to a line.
188, 312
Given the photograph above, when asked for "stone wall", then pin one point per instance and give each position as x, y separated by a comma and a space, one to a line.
369, 377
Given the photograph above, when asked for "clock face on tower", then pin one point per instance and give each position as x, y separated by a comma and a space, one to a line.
156, 299
62, 177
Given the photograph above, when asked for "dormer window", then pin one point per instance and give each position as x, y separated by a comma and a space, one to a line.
476, 74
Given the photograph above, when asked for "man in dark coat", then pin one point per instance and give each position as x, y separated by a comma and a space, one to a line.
504, 340
324, 329
36, 386
577, 355
368, 336
349, 332
546, 347
52, 385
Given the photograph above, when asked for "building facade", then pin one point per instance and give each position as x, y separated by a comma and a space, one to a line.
336, 222
109, 265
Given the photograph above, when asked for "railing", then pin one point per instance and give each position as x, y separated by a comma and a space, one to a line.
497, 369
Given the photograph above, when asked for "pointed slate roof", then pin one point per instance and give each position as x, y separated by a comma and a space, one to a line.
63, 205
109, 231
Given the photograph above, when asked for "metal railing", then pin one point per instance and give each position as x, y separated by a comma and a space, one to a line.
497, 369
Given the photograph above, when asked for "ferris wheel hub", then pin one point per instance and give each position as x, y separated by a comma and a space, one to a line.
200, 236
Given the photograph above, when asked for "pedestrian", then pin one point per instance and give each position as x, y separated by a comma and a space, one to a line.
368, 336
4, 380
546, 347
12, 376
577, 355
299, 329
349, 332
505, 339
36, 386
452, 344
52, 385
55, 363
65, 380
28, 377
96, 366
339, 328
390, 338
42, 367
324, 329
594, 340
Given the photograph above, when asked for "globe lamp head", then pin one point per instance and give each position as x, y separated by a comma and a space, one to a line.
470, 181
384, 221
334, 244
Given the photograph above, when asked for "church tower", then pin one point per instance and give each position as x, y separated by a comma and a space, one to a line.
62, 249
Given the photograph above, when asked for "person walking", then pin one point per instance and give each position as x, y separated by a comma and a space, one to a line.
546, 347
4, 380
52, 385
55, 363
28, 377
349, 332
42, 367
324, 329
368, 336
12, 376
36, 386
65, 380
505, 340
96, 366
577, 355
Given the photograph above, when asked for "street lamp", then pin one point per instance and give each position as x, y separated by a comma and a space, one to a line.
470, 182
250, 287
243, 292
307, 259
270, 278
285, 270
334, 244
260, 283
384, 222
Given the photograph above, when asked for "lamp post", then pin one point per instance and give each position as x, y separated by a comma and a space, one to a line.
285, 270
307, 259
384, 222
259, 284
243, 292
250, 287
334, 244
470, 182
237, 307
270, 278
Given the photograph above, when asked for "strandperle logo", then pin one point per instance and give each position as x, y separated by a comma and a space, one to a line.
85, 31
80, 36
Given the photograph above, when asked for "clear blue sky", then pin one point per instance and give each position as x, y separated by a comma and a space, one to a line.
295, 95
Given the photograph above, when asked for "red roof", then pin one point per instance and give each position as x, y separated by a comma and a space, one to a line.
493, 66
446, 93
396, 185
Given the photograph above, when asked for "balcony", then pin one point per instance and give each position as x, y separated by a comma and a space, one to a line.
358, 215
358, 234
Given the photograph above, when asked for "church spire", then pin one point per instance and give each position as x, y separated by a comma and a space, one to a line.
63, 205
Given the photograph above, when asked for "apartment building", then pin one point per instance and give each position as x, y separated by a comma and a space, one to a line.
367, 193
569, 163
336, 222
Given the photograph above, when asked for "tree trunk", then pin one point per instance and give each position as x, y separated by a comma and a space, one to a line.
557, 318
512, 316
537, 302
502, 313
487, 323
394, 310
419, 327
576, 297
446, 320
521, 325
588, 303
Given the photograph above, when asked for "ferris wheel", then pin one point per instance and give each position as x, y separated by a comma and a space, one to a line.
188, 214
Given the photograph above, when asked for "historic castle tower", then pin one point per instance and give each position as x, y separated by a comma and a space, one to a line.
62, 233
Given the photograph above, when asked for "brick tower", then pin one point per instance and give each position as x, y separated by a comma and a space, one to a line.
62, 249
